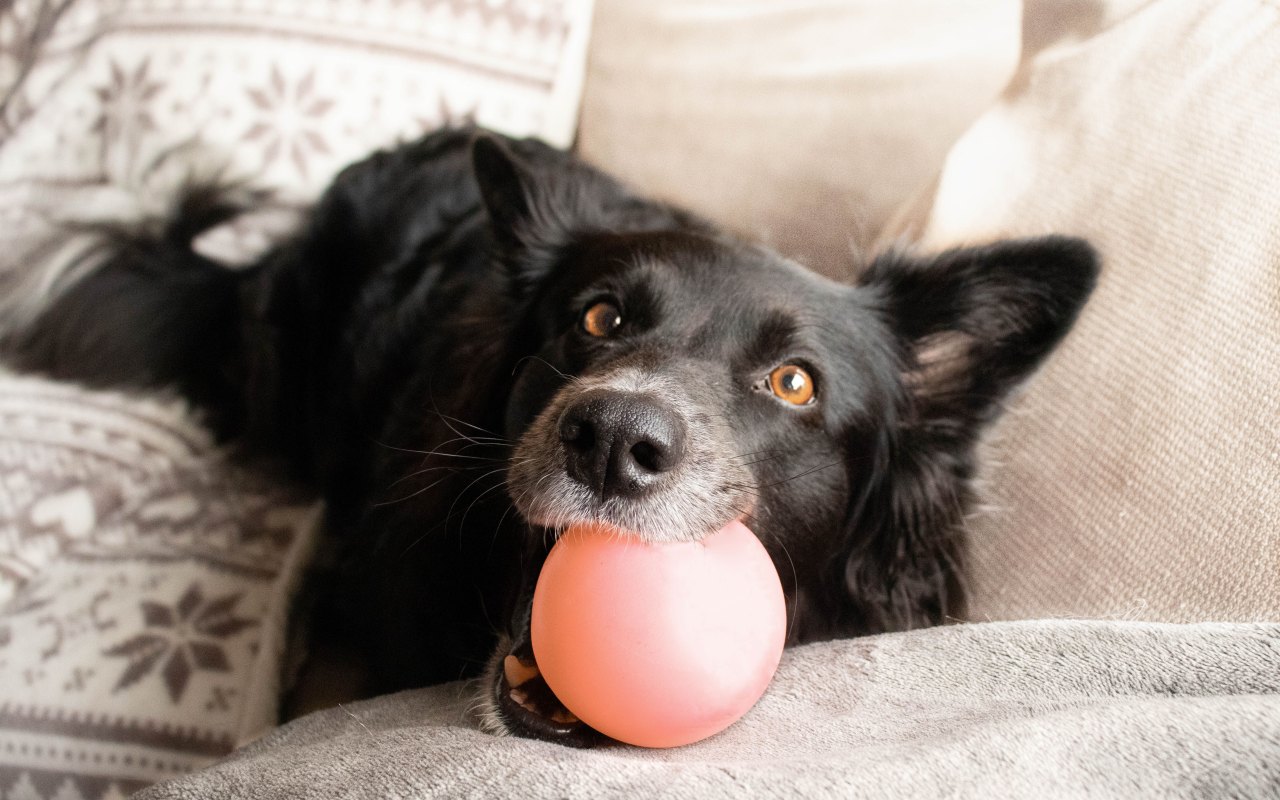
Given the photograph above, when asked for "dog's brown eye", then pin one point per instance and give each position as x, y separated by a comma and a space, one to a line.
793, 384
601, 319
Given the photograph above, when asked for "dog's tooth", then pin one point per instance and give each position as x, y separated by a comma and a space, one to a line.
521, 698
517, 672
564, 716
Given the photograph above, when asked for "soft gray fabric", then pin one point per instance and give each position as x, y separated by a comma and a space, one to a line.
1024, 709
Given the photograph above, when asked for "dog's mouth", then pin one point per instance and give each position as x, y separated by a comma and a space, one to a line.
518, 697
529, 708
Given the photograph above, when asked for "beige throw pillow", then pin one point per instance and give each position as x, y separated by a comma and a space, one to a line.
1139, 476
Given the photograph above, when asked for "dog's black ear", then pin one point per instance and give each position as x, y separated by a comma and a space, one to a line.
970, 324
540, 200
534, 195
974, 322
506, 187
536, 198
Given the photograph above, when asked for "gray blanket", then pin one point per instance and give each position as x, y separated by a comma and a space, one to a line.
1028, 709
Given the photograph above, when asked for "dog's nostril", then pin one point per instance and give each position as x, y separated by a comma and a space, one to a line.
647, 455
577, 433
570, 431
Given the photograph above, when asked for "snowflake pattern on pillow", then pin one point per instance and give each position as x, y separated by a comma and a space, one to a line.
144, 591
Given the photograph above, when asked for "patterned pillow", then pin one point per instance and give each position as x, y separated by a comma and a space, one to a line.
144, 582
144, 585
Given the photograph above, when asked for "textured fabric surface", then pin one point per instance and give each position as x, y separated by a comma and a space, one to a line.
144, 592
106, 106
800, 123
1044, 709
1139, 476
286, 92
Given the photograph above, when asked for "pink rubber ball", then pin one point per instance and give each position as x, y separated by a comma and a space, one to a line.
658, 645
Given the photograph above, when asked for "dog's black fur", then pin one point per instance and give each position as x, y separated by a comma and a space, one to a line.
424, 325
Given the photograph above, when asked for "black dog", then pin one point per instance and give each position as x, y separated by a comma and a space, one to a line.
474, 342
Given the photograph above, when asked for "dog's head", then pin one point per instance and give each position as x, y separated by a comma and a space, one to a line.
676, 378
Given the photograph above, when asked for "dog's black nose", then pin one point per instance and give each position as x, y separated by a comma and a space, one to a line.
619, 444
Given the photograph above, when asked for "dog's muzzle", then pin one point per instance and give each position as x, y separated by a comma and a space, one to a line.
635, 450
